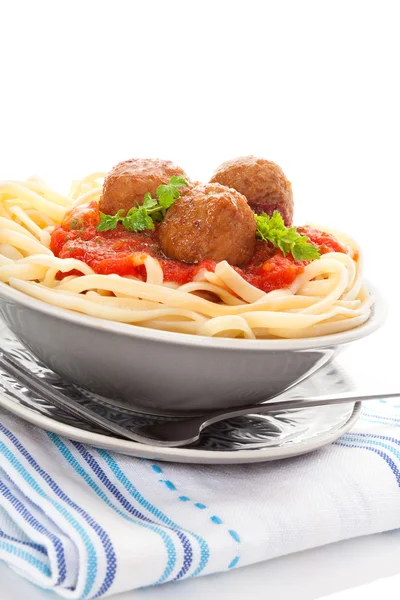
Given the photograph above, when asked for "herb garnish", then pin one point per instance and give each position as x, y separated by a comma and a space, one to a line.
109, 222
273, 229
142, 217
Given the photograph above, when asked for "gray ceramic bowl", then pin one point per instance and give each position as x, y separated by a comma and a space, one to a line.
163, 372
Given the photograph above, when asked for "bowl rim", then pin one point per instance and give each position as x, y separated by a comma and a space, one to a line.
375, 321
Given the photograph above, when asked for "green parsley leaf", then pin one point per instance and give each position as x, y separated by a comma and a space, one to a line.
177, 181
137, 219
167, 194
148, 201
166, 198
109, 222
273, 229
290, 236
167, 189
303, 250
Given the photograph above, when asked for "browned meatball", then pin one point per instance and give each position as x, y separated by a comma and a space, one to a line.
209, 221
130, 180
262, 182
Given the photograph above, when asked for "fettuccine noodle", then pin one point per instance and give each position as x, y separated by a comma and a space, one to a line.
328, 297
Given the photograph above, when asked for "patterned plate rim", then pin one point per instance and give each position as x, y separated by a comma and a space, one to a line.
183, 455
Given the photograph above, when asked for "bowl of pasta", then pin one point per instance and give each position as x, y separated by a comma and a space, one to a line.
175, 296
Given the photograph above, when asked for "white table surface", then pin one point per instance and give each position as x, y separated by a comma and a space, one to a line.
334, 569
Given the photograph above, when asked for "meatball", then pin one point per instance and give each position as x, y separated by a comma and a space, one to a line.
209, 221
130, 180
262, 182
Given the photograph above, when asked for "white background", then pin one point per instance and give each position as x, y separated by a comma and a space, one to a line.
311, 85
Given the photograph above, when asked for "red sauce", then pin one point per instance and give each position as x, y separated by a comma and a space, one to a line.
269, 269
117, 252
325, 242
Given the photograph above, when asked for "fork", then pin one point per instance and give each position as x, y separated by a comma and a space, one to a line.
181, 431
60, 400
186, 431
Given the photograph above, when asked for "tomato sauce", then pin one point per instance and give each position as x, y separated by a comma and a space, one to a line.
269, 269
325, 242
117, 252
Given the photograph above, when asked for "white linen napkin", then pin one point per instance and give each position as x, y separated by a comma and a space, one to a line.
86, 523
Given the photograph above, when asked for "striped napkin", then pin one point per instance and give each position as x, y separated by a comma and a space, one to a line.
86, 523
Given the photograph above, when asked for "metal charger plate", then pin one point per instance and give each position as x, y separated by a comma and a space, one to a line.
254, 438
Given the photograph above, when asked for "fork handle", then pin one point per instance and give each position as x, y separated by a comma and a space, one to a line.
268, 407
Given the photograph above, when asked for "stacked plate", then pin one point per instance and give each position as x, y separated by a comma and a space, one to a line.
243, 439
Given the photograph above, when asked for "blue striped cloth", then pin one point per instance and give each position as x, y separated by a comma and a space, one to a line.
86, 523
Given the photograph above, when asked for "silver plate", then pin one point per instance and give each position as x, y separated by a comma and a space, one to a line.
253, 438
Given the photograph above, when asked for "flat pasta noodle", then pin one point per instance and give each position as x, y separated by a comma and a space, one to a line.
327, 297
